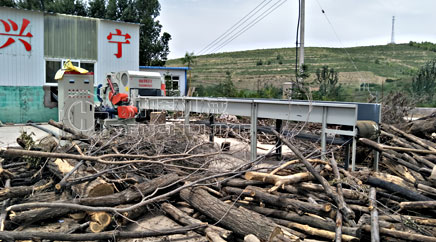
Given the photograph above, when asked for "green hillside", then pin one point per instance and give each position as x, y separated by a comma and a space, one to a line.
390, 65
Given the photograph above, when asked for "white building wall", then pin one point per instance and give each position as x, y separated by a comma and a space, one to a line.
107, 60
171, 72
19, 67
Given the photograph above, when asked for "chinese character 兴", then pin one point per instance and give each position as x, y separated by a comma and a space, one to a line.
11, 39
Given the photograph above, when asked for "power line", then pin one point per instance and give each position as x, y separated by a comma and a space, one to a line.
250, 25
343, 47
235, 26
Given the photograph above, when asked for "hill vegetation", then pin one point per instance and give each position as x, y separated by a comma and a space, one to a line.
363, 72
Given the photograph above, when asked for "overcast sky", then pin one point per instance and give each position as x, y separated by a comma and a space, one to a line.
193, 24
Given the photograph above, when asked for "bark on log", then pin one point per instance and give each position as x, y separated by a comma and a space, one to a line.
20, 235
185, 219
241, 221
251, 238
21, 191
346, 211
409, 194
422, 127
238, 182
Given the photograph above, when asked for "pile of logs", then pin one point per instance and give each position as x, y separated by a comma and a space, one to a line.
80, 188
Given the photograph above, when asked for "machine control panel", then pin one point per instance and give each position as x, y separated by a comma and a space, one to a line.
76, 101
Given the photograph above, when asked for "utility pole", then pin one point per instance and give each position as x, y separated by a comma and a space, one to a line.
393, 30
301, 57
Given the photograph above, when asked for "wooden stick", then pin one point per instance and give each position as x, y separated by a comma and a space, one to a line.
101, 158
381, 147
77, 135
313, 221
346, 211
21, 235
406, 218
375, 235
317, 232
280, 201
342, 202
402, 235
418, 205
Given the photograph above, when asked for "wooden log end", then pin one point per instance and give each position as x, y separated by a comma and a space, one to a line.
100, 220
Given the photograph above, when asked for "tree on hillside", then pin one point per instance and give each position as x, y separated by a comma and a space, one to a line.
189, 60
424, 83
327, 79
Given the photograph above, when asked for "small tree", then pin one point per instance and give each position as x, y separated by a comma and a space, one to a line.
189, 60
327, 79
424, 83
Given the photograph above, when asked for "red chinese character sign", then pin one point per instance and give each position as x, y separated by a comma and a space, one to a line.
126, 36
12, 35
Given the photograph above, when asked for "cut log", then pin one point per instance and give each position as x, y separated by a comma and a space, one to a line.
280, 201
185, 219
278, 181
241, 221
99, 221
409, 194
94, 188
251, 238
